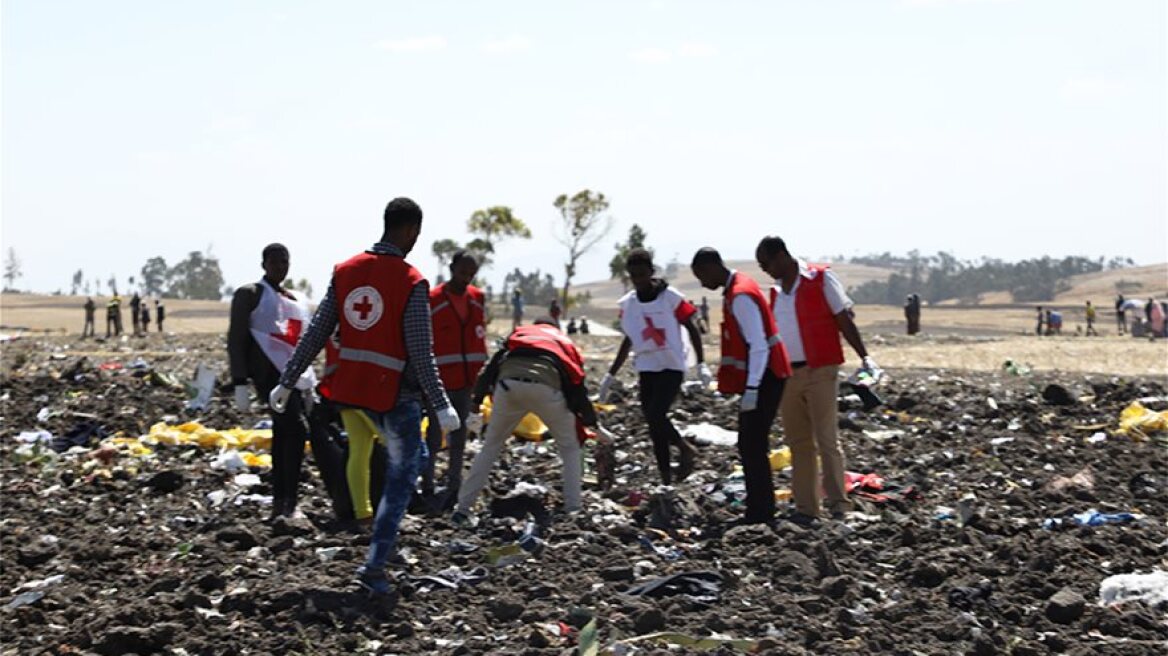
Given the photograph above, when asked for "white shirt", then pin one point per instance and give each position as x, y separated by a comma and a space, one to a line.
655, 330
746, 313
787, 318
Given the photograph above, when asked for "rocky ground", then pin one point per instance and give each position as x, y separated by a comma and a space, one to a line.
125, 554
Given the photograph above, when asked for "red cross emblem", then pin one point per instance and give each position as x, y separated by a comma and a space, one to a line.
291, 333
651, 332
364, 307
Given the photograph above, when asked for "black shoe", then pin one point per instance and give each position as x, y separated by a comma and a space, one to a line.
800, 519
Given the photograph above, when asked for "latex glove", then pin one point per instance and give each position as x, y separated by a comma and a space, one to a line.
242, 398
278, 399
474, 423
448, 419
605, 386
749, 400
705, 375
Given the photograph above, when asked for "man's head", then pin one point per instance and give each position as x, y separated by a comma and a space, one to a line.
403, 224
275, 262
546, 321
639, 266
708, 268
774, 258
464, 266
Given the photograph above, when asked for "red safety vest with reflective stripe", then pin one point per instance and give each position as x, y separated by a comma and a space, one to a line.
817, 326
732, 374
332, 355
371, 291
552, 340
460, 343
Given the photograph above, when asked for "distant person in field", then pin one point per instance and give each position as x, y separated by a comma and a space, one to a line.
144, 316
1041, 322
1091, 320
1155, 313
135, 313
555, 311
1054, 322
704, 310
90, 313
159, 313
572, 328
912, 314
113, 317
516, 309
1121, 314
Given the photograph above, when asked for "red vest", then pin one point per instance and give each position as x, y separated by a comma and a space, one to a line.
332, 356
371, 292
732, 374
550, 339
460, 346
817, 326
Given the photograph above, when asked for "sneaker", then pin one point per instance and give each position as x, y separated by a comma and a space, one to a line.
376, 581
461, 520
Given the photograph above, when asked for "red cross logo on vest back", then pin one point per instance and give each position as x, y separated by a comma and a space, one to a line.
653, 333
363, 307
291, 331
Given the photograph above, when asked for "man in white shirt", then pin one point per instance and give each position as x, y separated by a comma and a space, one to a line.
812, 311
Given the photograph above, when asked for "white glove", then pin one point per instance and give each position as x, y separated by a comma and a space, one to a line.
749, 400
278, 399
242, 398
605, 386
448, 419
704, 375
474, 422
870, 364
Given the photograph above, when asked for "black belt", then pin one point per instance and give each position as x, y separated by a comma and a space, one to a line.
525, 380
799, 365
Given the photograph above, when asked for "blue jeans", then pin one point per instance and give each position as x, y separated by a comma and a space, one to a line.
404, 454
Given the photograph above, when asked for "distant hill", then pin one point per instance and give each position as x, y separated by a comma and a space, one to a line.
1100, 288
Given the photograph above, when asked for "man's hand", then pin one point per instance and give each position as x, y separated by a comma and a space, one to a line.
705, 375
474, 423
749, 400
278, 399
448, 420
870, 365
605, 386
242, 398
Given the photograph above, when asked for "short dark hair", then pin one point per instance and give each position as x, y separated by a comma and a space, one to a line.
402, 212
706, 255
463, 254
274, 248
772, 245
639, 257
546, 321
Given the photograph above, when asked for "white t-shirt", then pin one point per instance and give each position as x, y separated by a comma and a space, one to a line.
748, 315
655, 329
786, 316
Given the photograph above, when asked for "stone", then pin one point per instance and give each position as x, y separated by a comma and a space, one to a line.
1065, 607
649, 621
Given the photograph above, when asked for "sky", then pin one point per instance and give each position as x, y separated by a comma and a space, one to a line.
1007, 128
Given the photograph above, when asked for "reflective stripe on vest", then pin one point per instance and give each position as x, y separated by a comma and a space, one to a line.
439, 308
458, 358
372, 357
733, 362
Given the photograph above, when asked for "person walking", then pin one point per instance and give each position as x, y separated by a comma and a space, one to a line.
159, 313
458, 313
539, 371
385, 367
135, 313
555, 311
1091, 320
812, 311
90, 314
755, 365
266, 323
516, 309
1121, 314
656, 319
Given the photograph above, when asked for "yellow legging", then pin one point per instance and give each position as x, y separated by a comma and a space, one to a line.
362, 434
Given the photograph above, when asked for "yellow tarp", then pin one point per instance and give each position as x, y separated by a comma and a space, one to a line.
1140, 422
195, 433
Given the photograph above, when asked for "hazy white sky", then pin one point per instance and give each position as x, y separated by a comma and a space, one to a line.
983, 127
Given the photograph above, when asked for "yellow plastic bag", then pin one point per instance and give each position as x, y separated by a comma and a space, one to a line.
781, 458
1140, 422
530, 428
195, 433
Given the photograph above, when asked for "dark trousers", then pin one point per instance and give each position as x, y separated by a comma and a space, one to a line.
455, 445
88, 330
289, 433
658, 391
754, 429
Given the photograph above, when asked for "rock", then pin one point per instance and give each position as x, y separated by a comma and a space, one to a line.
903, 403
194, 599
167, 584
538, 640
928, 575
1058, 395
293, 526
1065, 606
749, 534
211, 582
36, 554
165, 482
281, 544
836, 586
796, 565
617, 573
237, 535
120, 640
648, 621
825, 562
505, 609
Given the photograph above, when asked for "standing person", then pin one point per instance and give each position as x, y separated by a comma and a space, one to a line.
159, 313
554, 310
144, 316
90, 313
135, 310
113, 316
705, 310
1121, 314
385, 366
812, 312
912, 314
1155, 318
1091, 320
538, 371
457, 310
755, 365
266, 323
1041, 322
654, 316
516, 309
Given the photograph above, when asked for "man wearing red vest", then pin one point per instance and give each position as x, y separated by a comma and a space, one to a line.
459, 317
754, 364
539, 371
384, 368
812, 311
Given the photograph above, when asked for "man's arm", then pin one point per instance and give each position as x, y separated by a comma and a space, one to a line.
323, 323
243, 303
695, 338
488, 376
851, 333
622, 354
841, 307
419, 332
749, 317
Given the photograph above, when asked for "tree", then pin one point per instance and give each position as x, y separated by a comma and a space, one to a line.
583, 224
78, 279
538, 288
155, 277
12, 269
197, 277
616, 267
492, 226
482, 250
112, 283
444, 250
302, 286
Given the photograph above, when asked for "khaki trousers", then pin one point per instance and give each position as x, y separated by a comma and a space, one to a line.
808, 411
511, 401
